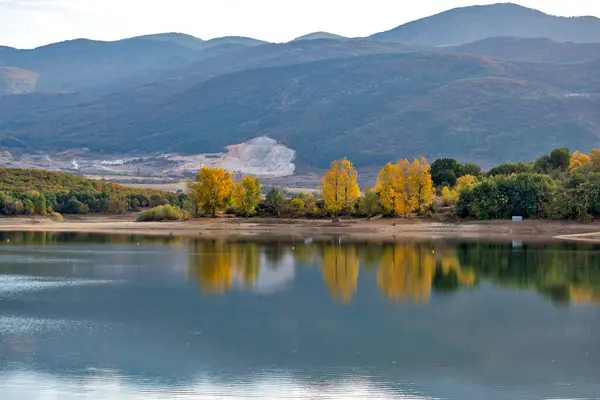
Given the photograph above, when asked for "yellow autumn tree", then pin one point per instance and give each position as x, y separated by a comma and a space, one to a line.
408, 190
212, 189
464, 182
405, 187
449, 196
246, 195
339, 186
578, 159
387, 186
421, 184
340, 271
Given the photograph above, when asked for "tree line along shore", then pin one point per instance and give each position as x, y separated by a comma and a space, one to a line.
560, 185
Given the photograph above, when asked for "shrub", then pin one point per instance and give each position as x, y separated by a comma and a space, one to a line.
298, 204
162, 213
116, 206
56, 216
157, 200
275, 201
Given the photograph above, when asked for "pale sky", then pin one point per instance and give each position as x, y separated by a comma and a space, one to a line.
31, 23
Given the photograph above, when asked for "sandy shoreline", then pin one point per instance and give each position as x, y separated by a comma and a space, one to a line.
382, 229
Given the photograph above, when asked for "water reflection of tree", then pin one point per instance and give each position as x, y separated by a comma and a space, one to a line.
561, 272
340, 271
51, 238
410, 271
216, 264
406, 272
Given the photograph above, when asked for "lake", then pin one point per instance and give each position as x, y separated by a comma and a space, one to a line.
124, 317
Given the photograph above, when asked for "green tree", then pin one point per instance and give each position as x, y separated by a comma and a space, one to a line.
275, 200
247, 195
468, 169
444, 172
560, 158
543, 165
369, 203
510, 168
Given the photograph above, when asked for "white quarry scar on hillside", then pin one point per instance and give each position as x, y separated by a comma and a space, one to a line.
261, 156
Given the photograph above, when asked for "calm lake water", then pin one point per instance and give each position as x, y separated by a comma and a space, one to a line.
118, 317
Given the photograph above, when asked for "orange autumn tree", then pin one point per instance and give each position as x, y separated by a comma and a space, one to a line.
246, 195
212, 189
578, 159
339, 187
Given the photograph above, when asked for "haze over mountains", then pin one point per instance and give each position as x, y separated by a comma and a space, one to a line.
484, 83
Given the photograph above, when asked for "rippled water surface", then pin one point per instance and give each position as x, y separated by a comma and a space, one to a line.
120, 317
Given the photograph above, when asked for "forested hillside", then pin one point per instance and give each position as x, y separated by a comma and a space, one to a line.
371, 109
38, 192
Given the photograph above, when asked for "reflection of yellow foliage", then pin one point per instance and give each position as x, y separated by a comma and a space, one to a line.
211, 264
246, 262
216, 264
583, 295
450, 263
340, 271
406, 273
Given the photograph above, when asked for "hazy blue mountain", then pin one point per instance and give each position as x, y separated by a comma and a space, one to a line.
88, 65
177, 38
321, 35
469, 24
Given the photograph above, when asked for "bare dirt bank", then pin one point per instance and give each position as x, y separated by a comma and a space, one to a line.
382, 229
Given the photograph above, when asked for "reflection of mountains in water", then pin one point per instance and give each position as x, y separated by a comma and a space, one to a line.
405, 272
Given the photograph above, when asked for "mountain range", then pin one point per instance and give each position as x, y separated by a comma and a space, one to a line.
485, 83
